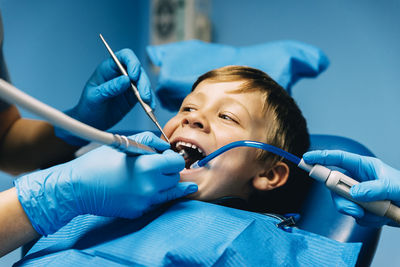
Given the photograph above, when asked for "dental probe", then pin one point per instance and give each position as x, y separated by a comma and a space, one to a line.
146, 107
334, 180
14, 96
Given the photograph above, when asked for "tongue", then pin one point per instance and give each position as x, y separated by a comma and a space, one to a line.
188, 163
191, 156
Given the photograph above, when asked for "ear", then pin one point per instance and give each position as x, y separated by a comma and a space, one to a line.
272, 178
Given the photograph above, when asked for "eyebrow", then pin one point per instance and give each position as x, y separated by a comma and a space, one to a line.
227, 99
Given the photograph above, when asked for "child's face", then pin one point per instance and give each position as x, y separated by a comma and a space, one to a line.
211, 117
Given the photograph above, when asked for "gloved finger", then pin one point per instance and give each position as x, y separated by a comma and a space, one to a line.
110, 89
157, 172
369, 191
137, 75
150, 139
130, 61
171, 163
348, 207
348, 161
376, 190
144, 87
107, 70
167, 166
178, 191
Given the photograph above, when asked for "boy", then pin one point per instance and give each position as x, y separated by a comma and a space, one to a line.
241, 103
227, 104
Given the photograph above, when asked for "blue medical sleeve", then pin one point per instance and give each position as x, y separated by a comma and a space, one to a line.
182, 63
189, 233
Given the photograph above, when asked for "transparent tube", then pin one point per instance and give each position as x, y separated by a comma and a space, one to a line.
247, 143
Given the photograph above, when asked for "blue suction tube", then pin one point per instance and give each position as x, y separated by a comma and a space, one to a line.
246, 143
334, 180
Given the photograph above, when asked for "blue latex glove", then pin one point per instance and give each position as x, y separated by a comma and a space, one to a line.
102, 182
182, 63
107, 96
378, 181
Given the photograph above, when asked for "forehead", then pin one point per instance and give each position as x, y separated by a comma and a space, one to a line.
227, 90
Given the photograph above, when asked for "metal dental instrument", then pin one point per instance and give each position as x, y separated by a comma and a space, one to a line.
14, 96
146, 107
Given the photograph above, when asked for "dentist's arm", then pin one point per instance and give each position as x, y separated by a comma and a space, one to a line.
378, 181
26, 145
15, 227
102, 182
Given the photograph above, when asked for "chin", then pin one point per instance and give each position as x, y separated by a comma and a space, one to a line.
201, 194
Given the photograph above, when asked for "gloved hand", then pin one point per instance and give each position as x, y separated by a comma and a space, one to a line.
107, 96
102, 182
378, 181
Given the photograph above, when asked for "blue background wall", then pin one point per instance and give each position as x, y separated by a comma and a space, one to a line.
52, 47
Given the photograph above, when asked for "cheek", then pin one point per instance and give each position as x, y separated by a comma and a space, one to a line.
226, 136
230, 176
238, 163
171, 126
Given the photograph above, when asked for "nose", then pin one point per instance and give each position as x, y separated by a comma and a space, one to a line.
196, 120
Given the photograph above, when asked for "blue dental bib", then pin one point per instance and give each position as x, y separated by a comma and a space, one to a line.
187, 233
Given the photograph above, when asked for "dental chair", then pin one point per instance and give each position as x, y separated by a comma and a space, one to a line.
286, 62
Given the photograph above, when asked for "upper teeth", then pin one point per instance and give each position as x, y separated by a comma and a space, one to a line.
181, 143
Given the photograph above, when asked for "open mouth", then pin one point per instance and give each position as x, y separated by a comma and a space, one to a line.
190, 152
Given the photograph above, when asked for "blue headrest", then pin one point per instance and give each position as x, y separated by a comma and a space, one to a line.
183, 62
332, 142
